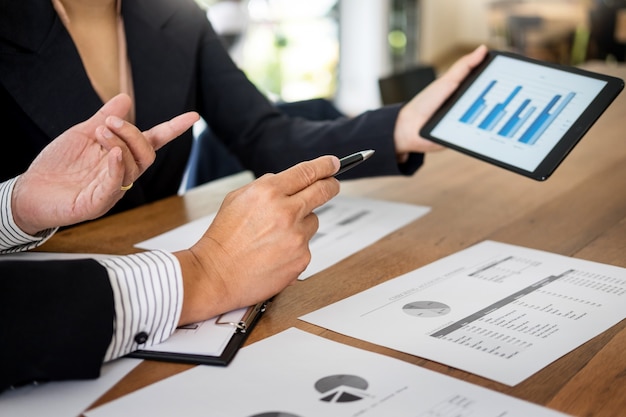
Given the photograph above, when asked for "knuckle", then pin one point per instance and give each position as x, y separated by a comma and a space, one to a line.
307, 172
302, 261
330, 188
301, 205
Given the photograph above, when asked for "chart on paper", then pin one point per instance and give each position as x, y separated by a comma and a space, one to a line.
510, 325
497, 310
315, 377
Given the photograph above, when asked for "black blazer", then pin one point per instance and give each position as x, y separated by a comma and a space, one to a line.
178, 64
56, 320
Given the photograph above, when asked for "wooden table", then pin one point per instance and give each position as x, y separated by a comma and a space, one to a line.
580, 211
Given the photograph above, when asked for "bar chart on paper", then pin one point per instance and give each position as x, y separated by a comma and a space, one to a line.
515, 112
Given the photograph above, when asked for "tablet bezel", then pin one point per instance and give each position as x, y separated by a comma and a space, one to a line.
567, 142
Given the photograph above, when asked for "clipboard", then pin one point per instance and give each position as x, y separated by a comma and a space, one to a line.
241, 328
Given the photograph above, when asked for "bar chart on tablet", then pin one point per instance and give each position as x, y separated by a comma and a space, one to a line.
510, 115
517, 112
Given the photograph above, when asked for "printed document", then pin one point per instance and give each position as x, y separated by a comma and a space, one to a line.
346, 225
298, 374
63, 398
497, 310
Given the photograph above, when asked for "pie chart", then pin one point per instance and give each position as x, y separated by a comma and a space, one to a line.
426, 309
341, 388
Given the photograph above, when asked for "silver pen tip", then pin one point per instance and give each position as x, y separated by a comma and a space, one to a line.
367, 154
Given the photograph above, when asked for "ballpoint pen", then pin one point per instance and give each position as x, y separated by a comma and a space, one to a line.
353, 160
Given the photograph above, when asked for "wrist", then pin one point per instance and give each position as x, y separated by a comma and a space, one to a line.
404, 134
20, 210
202, 296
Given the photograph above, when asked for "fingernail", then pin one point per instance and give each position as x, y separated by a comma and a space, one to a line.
106, 133
116, 121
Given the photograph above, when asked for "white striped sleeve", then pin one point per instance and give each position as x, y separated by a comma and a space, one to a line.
148, 297
12, 238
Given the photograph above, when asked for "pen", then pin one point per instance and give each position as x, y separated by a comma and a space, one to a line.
353, 160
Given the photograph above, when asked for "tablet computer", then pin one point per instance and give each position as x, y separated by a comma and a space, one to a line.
522, 114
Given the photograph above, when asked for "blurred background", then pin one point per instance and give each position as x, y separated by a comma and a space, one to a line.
360, 54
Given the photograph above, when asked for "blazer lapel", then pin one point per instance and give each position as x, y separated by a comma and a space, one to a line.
41, 69
160, 60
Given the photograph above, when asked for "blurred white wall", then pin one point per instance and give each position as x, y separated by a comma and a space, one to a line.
364, 54
444, 26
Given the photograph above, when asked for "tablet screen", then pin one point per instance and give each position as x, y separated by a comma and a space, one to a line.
516, 112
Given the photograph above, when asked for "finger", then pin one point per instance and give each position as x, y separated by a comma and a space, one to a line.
439, 90
311, 224
141, 150
117, 106
461, 68
116, 172
316, 194
163, 133
304, 174
134, 162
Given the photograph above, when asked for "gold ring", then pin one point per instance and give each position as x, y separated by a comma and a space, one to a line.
126, 187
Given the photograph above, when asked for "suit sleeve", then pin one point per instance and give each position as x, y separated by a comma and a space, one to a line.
266, 140
56, 320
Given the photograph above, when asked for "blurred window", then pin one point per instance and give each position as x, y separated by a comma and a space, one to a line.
288, 48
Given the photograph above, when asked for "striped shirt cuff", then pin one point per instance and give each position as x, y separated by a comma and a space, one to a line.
148, 297
12, 238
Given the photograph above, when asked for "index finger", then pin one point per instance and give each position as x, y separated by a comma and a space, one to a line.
302, 175
163, 133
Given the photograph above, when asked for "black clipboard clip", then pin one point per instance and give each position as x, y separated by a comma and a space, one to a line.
242, 329
249, 318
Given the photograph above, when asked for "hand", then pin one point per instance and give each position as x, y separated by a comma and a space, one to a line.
417, 111
78, 176
258, 242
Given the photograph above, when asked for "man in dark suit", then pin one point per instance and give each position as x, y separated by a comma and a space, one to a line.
167, 57
61, 319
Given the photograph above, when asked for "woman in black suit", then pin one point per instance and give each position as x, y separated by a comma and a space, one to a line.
61, 59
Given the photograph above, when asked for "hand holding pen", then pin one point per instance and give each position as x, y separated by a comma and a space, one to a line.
350, 161
259, 239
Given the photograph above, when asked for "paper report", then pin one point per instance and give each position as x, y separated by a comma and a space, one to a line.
297, 374
497, 310
346, 225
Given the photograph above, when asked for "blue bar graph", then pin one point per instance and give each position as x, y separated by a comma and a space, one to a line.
477, 107
517, 120
544, 119
498, 111
520, 117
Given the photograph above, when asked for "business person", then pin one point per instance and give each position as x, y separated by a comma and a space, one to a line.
62, 58
166, 56
77, 177
81, 174
62, 319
